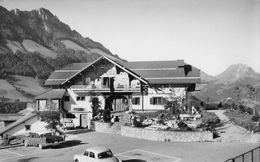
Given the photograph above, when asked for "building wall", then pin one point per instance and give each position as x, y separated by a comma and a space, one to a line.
36, 126
164, 93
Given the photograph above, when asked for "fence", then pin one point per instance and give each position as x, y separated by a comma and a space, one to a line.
250, 156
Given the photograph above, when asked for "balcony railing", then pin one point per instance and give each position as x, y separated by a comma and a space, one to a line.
120, 88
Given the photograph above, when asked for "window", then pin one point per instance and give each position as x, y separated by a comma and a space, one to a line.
157, 101
27, 127
105, 155
66, 98
86, 153
87, 81
91, 154
80, 98
105, 82
136, 101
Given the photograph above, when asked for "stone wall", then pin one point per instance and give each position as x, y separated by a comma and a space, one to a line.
112, 128
169, 136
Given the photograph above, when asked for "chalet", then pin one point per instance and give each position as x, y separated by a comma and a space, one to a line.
118, 86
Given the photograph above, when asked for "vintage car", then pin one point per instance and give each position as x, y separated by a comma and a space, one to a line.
67, 124
96, 154
42, 140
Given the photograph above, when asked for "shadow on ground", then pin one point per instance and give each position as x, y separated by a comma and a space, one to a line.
78, 131
69, 143
134, 160
28, 159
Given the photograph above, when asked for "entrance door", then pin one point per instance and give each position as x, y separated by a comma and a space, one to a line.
84, 120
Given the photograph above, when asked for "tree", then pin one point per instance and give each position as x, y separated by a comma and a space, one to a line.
95, 105
173, 106
52, 118
237, 92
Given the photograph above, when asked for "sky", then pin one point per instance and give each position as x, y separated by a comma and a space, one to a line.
208, 34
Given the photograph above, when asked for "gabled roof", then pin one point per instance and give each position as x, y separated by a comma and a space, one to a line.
52, 94
18, 122
63, 75
153, 72
59, 77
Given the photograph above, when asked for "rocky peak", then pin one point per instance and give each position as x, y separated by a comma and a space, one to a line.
236, 72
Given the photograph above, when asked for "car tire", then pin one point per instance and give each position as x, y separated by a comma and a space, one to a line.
76, 160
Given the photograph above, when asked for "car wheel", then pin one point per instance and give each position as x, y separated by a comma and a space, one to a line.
76, 160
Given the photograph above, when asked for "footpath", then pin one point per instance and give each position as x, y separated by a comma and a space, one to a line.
230, 132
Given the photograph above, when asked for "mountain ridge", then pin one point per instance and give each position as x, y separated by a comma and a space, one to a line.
223, 85
35, 43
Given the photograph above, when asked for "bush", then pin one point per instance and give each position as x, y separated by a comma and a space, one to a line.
12, 107
255, 118
137, 122
210, 119
183, 126
52, 118
211, 106
107, 116
242, 119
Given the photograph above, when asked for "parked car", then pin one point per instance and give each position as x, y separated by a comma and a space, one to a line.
68, 124
42, 140
96, 154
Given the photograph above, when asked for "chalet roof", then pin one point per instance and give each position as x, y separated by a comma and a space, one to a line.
68, 72
52, 94
63, 75
153, 72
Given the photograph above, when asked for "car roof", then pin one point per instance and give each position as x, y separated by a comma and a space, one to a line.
98, 149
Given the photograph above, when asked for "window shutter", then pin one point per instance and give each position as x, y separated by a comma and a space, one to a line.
163, 101
151, 101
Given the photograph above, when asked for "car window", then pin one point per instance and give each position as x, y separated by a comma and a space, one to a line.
91, 154
104, 155
86, 153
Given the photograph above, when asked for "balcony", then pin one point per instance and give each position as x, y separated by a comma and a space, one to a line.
102, 88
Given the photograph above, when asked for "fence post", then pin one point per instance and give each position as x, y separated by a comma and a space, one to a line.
252, 155
243, 158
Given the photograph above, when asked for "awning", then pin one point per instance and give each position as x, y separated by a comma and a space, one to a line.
52, 94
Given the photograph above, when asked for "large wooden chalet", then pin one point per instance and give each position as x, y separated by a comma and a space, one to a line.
119, 85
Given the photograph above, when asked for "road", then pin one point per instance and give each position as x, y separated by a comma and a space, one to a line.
129, 149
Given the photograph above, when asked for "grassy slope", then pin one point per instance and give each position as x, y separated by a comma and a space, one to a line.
29, 85
8, 91
32, 46
72, 45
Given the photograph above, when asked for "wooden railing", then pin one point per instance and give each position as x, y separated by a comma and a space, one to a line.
250, 156
103, 88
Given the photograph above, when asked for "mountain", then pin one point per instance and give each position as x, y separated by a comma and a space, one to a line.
35, 43
225, 84
206, 78
239, 73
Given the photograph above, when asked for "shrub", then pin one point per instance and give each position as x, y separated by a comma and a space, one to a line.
183, 126
107, 116
137, 122
255, 118
210, 119
242, 119
52, 118
211, 106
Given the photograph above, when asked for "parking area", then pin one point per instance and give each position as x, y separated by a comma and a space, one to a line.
146, 156
128, 149
18, 152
